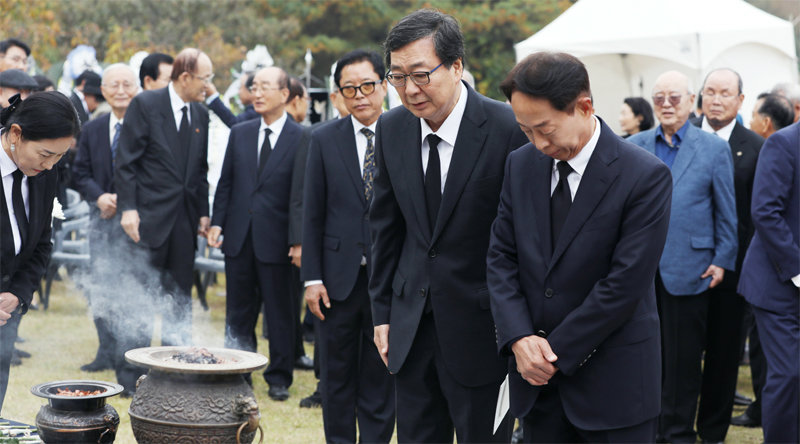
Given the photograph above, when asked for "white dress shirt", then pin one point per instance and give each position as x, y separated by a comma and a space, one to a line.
578, 163
448, 132
724, 132
7, 167
83, 100
177, 105
276, 127
112, 123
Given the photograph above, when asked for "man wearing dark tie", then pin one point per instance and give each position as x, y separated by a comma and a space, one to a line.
161, 185
440, 162
94, 179
582, 221
251, 209
355, 385
770, 279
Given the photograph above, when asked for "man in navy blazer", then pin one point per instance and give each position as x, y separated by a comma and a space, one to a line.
251, 210
440, 164
770, 279
354, 383
701, 245
581, 224
93, 173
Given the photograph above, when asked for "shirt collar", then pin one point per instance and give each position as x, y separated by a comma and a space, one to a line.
357, 126
276, 126
113, 120
449, 129
677, 137
724, 132
175, 100
579, 162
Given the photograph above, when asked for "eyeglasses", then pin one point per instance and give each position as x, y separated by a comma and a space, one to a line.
127, 86
674, 99
366, 88
206, 79
255, 89
711, 95
418, 77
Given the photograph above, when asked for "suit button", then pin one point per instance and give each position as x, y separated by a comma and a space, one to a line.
422, 292
432, 253
548, 293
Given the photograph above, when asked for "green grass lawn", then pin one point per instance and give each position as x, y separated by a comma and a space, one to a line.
63, 338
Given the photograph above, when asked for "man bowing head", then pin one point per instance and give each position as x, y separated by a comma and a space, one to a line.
573, 253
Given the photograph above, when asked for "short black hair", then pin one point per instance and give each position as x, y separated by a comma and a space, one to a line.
43, 81
778, 108
448, 41
248, 82
558, 77
739, 82
43, 115
10, 43
151, 64
296, 88
641, 107
357, 56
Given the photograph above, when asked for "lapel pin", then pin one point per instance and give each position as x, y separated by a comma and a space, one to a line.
197, 130
739, 153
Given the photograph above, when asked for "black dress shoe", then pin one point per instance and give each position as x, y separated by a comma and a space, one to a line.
304, 363
740, 399
96, 366
22, 353
278, 393
744, 420
313, 400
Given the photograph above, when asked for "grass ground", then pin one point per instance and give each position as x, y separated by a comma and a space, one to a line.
63, 338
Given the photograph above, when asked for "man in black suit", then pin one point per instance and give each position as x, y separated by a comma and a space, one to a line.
439, 170
86, 95
354, 383
251, 209
162, 190
582, 222
94, 179
722, 100
155, 71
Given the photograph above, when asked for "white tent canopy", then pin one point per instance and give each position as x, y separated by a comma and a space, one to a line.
626, 44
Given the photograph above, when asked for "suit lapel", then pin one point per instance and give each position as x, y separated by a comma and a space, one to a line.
598, 177
170, 130
348, 153
685, 154
736, 142
469, 144
542, 171
409, 145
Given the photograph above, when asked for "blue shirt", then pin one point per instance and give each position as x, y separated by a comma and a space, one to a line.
664, 150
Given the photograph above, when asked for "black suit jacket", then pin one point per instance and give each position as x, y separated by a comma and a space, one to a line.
244, 199
336, 222
592, 294
92, 170
78, 104
298, 180
147, 177
745, 146
20, 274
408, 261
227, 117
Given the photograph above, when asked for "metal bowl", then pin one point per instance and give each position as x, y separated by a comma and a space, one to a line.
160, 358
49, 391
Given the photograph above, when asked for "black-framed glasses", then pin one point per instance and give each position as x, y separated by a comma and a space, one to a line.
674, 99
418, 77
366, 88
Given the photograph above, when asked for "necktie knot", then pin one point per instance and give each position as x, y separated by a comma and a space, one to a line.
17, 175
563, 169
433, 141
368, 133
117, 126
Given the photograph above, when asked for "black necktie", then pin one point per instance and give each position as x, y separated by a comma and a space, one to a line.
19, 205
433, 180
369, 164
560, 201
185, 137
115, 141
266, 149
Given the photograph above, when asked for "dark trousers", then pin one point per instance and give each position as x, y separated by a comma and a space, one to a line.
354, 383
721, 362
683, 333
758, 363
249, 284
175, 263
8, 334
780, 397
431, 403
547, 423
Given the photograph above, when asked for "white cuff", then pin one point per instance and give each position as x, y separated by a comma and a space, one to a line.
211, 98
796, 280
316, 282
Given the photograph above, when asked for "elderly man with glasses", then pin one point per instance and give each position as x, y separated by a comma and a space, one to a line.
439, 169
701, 245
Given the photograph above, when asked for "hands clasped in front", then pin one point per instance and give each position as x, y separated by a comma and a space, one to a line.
535, 359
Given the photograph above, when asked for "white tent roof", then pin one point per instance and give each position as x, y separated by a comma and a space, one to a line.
689, 32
